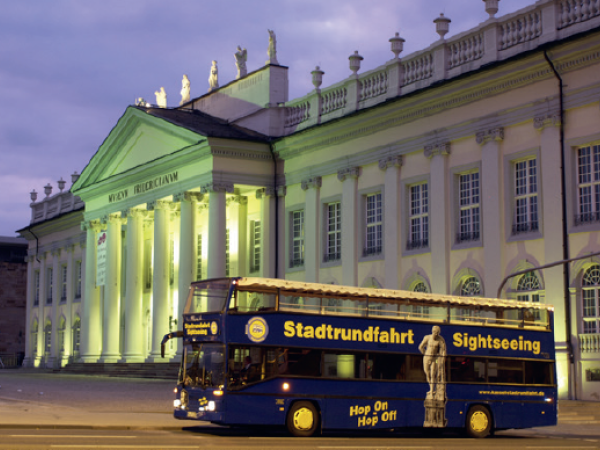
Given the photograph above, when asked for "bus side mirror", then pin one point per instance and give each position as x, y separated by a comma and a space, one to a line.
166, 339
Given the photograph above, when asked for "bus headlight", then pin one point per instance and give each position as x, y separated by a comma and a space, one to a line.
210, 406
176, 403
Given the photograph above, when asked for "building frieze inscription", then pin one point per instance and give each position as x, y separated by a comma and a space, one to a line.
144, 186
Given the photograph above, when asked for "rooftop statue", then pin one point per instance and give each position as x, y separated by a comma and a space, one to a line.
272, 52
161, 98
240, 62
185, 90
213, 78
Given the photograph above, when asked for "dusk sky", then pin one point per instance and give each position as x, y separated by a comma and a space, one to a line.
70, 68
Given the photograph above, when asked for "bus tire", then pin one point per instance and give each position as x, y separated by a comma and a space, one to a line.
302, 419
479, 422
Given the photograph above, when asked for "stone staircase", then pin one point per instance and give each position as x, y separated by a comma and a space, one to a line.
166, 371
578, 412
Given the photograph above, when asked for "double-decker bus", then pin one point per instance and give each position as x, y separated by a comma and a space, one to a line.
311, 356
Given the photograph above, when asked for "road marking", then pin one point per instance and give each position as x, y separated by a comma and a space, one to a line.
68, 436
378, 447
125, 446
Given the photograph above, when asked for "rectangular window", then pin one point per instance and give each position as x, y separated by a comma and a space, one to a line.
227, 265
63, 283
76, 338
255, 233
78, 279
49, 285
419, 217
526, 197
297, 239
36, 295
374, 225
590, 310
469, 207
334, 232
588, 180
199, 257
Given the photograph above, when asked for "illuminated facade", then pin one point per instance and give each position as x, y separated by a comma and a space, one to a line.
439, 171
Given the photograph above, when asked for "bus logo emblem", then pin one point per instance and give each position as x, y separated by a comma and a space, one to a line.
257, 329
214, 328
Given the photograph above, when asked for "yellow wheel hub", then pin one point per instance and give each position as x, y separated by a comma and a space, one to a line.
303, 419
479, 421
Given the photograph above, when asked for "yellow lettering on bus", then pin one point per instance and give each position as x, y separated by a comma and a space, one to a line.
289, 329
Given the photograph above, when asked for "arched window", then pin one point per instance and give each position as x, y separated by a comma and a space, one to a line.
528, 288
421, 311
590, 290
470, 287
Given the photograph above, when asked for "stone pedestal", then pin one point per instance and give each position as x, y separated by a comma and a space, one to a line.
435, 410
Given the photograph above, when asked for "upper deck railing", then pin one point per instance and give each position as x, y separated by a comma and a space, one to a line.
494, 40
265, 294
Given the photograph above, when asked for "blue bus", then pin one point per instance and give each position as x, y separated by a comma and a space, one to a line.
312, 356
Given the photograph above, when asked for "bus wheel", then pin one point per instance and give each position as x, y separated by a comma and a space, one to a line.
479, 422
302, 419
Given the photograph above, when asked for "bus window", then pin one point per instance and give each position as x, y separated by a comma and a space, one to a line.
207, 296
204, 365
538, 372
388, 367
505, 371
346, 365
304, 362
467, 369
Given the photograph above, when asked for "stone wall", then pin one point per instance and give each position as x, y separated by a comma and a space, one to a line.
13, 283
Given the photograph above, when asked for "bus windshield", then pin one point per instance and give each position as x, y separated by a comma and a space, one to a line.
207, 297
204, 365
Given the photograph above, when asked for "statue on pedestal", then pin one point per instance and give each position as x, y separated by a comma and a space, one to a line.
240, 62
213, 78
272, 51
433, 348
185, 90
161, 98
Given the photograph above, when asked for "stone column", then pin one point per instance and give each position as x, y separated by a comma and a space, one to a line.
241, 205
39, 357
134, 286
551, 215
68, 349
392, 219
312, 187
187, 245
91, 331
491, 209
217, 226
53, 361
160, 280
28, 361
440, 217
267, 222
349, 179
112, 291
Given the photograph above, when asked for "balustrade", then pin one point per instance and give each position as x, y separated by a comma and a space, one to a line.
418, 69
589, 343
574, 11
520, 29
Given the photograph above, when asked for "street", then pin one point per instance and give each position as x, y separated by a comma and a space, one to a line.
46, 410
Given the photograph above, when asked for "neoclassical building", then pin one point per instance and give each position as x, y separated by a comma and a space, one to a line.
445, 171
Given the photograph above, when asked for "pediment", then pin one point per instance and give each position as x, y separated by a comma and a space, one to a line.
138, 139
